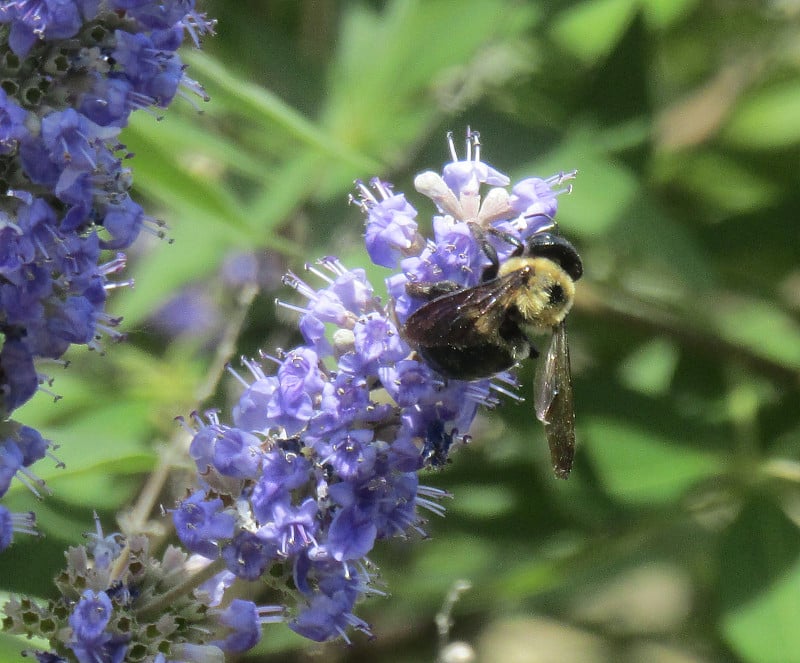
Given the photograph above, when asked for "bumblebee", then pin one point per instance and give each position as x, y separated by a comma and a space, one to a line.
468, 333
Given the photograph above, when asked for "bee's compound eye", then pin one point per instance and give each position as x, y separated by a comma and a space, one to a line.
556, 294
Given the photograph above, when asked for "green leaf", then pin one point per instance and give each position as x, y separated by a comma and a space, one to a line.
382, 101
535, 574
265, 108
11, 646
649, 369
590, 30
604, 188
767, 119
640, 467
482, 501
759, 584
721, 181
110, 433
166, 166
662, 14
760, 326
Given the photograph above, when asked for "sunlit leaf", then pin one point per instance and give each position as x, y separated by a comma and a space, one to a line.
759, 584
767, 119
663, 13
590, 29
638, 466
762, 326
605, 187
649, 369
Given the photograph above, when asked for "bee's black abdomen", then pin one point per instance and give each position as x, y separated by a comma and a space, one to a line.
471, 363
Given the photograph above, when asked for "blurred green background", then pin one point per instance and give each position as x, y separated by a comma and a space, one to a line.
676, 538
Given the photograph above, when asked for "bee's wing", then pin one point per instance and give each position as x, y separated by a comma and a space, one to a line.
554, 404
465, 317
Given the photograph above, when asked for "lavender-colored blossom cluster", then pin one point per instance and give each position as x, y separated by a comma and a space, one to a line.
322, 455
71, 72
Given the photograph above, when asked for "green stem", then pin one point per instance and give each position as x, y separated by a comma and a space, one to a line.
161, 602
593, 299
135, 521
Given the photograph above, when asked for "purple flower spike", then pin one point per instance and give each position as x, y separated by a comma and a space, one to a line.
339, 430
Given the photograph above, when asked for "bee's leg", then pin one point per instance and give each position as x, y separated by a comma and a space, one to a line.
479, 233
430, 291
480, 237
508, 238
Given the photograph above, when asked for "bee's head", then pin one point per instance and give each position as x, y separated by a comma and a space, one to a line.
546, 296
557, 249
